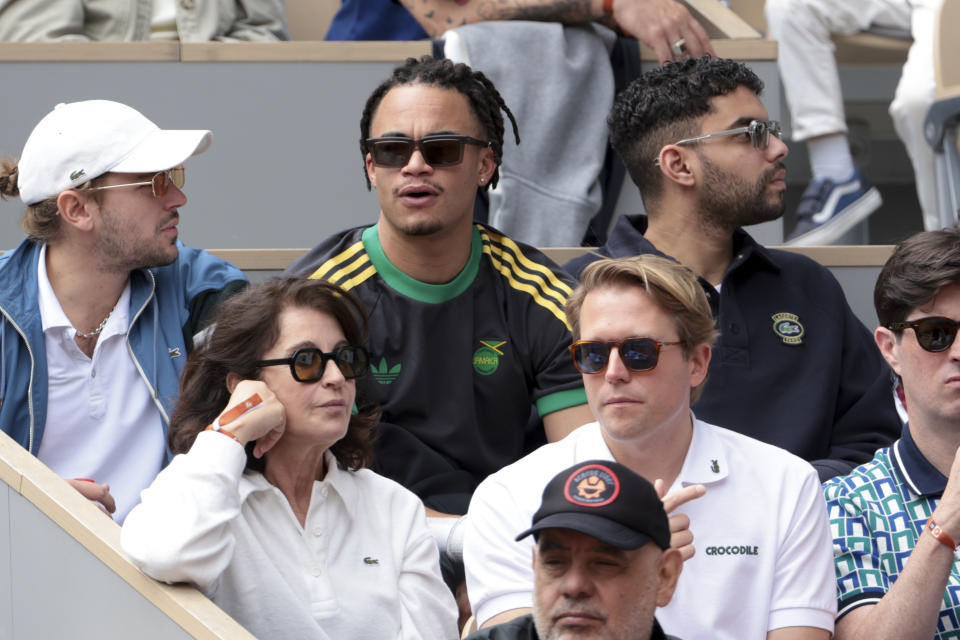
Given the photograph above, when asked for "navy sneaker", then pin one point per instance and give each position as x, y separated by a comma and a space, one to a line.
829, 209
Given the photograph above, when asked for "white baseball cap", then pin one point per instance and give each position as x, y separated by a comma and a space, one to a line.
79, 141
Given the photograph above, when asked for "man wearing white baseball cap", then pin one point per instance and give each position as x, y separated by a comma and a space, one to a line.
98, 305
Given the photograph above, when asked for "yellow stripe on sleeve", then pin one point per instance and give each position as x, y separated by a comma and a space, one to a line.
509, 251
359, 278
507, 271
344, 255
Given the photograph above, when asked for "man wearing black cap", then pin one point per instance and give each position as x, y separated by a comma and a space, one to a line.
602, 563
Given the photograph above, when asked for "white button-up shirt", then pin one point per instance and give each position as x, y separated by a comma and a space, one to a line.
364, 565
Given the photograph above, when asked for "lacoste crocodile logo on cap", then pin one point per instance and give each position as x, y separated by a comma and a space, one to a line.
592, 485
76, 175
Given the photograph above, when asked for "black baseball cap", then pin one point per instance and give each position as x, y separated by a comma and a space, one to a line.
605, 500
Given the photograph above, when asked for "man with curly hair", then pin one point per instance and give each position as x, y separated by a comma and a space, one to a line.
793, 365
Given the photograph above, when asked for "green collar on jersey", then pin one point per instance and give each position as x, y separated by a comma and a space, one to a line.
422, 291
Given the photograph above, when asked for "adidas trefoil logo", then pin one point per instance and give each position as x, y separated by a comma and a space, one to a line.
383, 374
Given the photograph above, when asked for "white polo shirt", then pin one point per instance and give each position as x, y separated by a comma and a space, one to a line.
364, 565
763, 549
101, 421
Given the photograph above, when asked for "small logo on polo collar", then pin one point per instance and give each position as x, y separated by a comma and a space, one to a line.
76, 175
787, 326
369, 560
714, 466
486, 359
593, 485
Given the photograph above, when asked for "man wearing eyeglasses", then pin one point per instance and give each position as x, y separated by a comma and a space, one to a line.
99, 304
468, 332
642, 332
793, 365
896, 519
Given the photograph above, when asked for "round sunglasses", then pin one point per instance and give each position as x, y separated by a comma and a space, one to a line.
934, 333
438, 150
638, 354
308, 365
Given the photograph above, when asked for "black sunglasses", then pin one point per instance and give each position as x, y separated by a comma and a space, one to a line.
439, 150
308, 365
934, 334
639, 354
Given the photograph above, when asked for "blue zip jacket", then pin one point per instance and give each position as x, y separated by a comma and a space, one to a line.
168, 305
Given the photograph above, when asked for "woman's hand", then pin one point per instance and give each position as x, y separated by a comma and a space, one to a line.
263, 423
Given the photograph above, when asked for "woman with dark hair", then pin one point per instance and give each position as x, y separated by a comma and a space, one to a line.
286, 532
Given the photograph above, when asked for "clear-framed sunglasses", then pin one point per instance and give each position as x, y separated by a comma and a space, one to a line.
759, 132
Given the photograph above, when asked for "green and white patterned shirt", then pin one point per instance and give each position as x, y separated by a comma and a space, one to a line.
876, 514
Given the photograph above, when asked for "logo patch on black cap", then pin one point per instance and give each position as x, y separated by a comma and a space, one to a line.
593, 485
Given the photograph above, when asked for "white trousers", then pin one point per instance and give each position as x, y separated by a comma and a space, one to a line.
808, 71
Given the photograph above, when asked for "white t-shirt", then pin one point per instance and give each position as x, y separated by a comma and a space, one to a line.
101, 421
763, 549
364, 566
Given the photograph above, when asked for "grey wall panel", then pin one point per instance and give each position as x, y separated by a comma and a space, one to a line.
61, 590
858, 283
285, 166
6, 611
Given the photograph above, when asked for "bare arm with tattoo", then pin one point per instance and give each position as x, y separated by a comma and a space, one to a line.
656, 23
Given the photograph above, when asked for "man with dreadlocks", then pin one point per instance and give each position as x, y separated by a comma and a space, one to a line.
468, 330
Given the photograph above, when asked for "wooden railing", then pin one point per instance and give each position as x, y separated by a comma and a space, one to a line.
81, 584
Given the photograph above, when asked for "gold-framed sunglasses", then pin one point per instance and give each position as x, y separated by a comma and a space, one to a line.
159, 183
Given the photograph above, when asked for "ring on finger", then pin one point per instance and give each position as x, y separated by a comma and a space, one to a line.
679, 47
